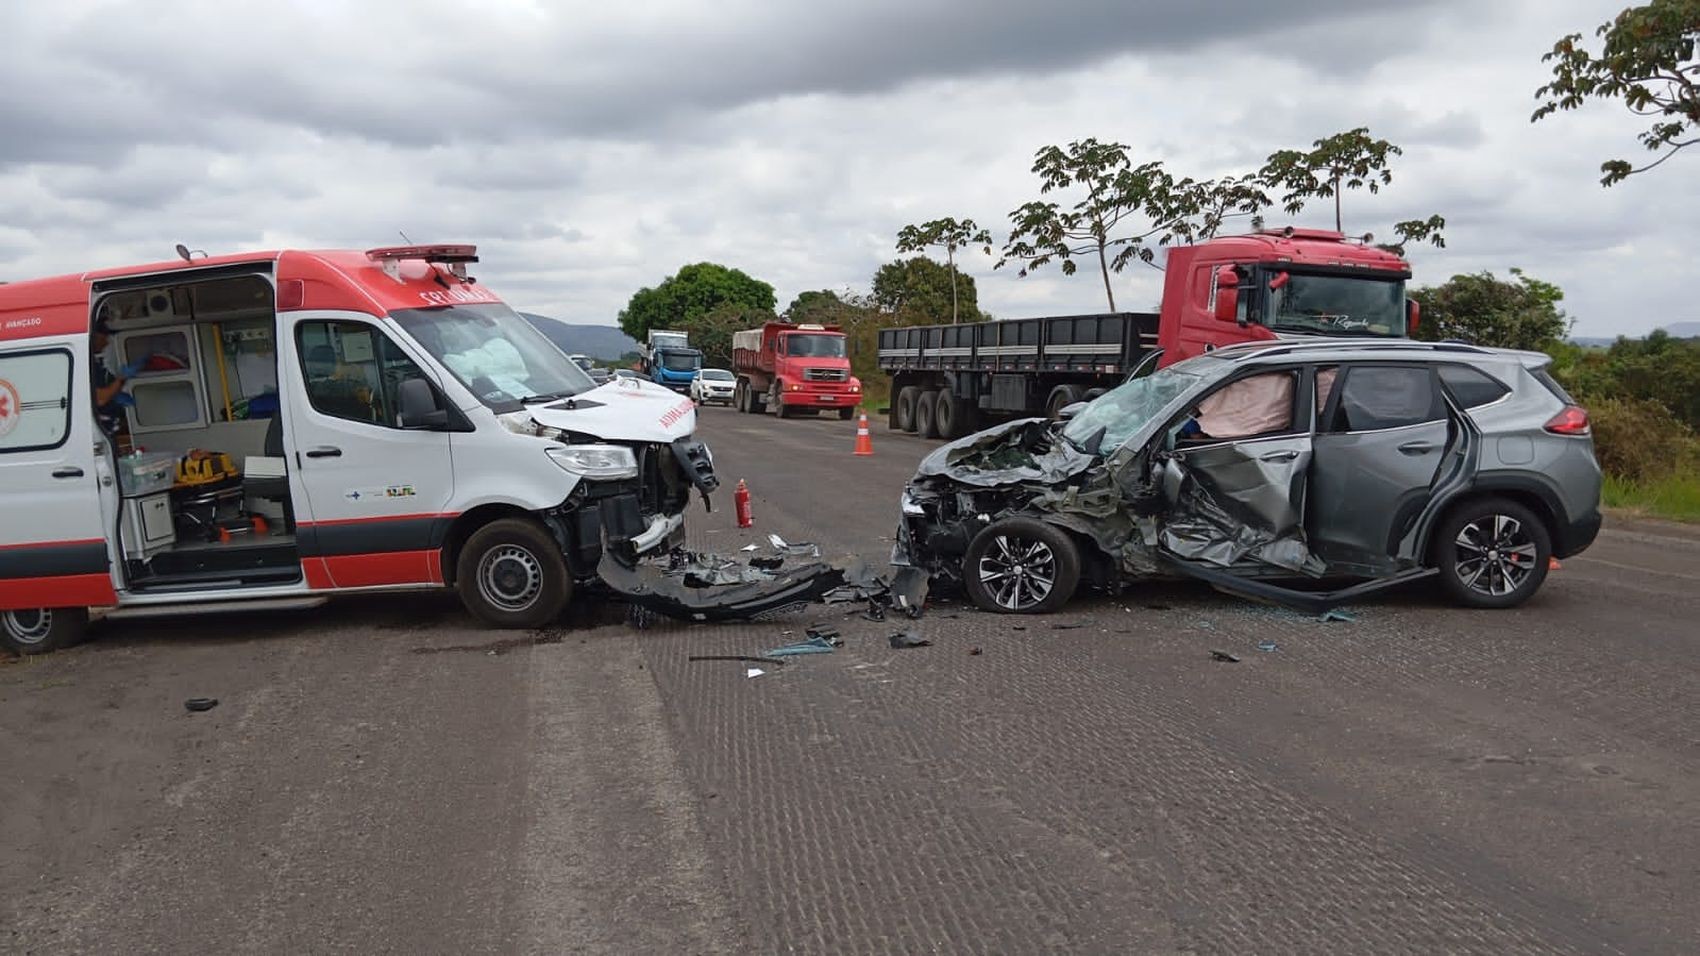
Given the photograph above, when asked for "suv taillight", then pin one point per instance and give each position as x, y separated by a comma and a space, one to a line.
1572, 421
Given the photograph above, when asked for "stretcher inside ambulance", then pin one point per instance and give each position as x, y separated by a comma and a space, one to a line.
267, 429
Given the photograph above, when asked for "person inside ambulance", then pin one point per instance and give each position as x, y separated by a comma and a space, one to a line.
335, 388
110, 399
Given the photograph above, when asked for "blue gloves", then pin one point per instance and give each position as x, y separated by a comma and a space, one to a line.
124, 400
129, 371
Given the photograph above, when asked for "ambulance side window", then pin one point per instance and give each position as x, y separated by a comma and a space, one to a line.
353, 371
35, 400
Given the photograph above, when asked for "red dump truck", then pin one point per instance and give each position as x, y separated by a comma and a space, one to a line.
787, 369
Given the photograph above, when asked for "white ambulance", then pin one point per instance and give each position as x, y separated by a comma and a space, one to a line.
288, 425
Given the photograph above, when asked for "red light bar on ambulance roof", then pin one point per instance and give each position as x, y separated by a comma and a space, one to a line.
455, 256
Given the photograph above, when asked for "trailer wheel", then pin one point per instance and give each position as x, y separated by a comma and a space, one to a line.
1061, 397
741, 396
42, 630
926, 414
511, 574
1092, 393
904, 408
954, 417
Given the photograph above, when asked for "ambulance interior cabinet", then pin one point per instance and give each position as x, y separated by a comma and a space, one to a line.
148, 527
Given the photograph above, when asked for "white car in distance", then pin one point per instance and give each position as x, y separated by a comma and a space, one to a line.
713, 386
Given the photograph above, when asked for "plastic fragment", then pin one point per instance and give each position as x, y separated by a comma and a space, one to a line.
1335, 614
198, 704
1267, 645
814, 645
906, 639
754, 672
1224, 657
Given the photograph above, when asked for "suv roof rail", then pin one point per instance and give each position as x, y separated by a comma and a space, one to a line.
1250, 349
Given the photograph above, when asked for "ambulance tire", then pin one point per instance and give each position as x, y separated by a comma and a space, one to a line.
42, 630
511, 574
926, 414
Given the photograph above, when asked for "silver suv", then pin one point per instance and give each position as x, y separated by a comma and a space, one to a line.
1277, 471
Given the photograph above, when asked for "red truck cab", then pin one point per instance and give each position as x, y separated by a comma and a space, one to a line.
1278, 283
786, 369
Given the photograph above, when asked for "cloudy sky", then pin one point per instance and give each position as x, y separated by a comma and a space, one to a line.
593, 148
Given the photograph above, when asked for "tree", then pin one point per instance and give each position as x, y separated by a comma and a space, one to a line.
711, 332
1647, 61
1127, 210
682, 299
1335, 164
1522, 313
919, 290
951, 235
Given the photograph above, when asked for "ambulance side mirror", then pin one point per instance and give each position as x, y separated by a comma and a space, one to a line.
419, 405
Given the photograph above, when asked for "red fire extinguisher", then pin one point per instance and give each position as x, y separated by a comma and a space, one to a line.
741, 504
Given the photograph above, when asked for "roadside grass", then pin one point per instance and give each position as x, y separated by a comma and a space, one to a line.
1676, 497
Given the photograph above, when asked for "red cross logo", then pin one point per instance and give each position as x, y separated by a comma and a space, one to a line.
10, 410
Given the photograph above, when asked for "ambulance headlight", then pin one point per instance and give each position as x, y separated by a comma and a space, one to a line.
596, 461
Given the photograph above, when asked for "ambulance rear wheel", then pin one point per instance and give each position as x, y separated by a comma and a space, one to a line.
511, 574
41, 630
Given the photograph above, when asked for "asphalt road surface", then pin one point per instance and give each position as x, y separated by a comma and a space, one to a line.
381, 775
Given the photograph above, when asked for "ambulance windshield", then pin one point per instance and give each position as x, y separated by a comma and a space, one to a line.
499, 356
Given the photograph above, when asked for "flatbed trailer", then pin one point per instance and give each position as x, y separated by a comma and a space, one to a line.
946, 380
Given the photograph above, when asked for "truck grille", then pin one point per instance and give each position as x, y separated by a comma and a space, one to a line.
825, 375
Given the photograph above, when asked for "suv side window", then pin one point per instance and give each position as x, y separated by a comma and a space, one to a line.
353, 371
1374, 397
1472, 387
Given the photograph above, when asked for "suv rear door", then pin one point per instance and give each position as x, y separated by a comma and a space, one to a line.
1383, 432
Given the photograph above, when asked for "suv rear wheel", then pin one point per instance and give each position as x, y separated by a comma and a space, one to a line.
1021, 566
1492, 553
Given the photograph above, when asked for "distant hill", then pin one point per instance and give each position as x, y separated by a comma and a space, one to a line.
597, 341
1684, 330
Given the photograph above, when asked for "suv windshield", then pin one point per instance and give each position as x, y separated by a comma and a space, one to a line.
1337, 305
815, 346
681, 361
496, 354
1122, 410
716, 375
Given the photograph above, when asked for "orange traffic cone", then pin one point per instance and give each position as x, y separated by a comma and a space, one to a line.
864, 441
1553, 565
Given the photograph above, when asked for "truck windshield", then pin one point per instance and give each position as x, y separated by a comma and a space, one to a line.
498, 356
1337, 305
681, 361
1121, 411
815, 346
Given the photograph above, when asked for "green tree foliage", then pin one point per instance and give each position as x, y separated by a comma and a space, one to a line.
1647, 60
917, 291
712, 331
1336, 164
1521, 313
684, 299
1124, 211
1658, 369
949, 235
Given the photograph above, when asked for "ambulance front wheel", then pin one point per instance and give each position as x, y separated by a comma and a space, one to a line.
511, 574
42, 629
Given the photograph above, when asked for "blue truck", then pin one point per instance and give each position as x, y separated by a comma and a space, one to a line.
669, 360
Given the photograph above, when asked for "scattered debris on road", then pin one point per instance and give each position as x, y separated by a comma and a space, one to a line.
199, 704
1224, 657
903, 640
814, 645
1335, 614
1267, 645
754, 672
746, 658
